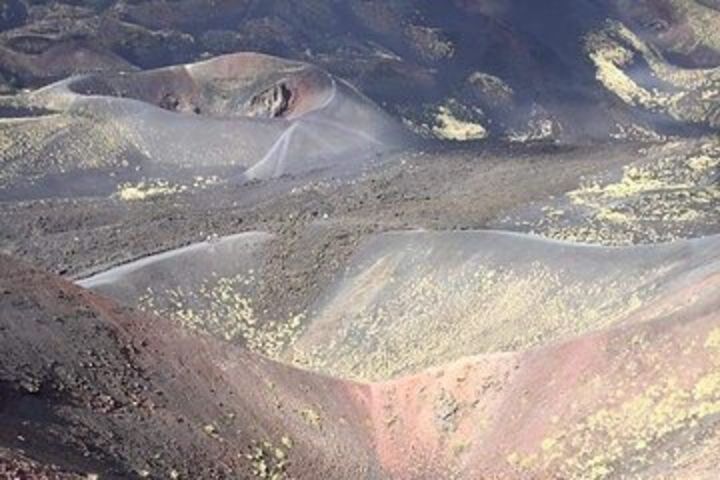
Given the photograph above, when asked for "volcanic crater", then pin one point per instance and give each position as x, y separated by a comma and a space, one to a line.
359, 239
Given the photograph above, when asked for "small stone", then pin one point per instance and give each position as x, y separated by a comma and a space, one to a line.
30, 385
210, 429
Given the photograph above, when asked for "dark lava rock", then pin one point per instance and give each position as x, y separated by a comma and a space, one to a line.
12, 14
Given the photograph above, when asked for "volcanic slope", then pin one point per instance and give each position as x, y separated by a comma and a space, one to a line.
670, 192
425, 351
95, 388
413, 300
122, 394
210, 287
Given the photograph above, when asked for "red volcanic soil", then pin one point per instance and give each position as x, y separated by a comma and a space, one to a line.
92, 387
638, 401
585, 142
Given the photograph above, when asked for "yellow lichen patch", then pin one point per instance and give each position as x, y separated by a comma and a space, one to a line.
286, 441
147, 189
436, 318
703, 163
449, 127
692, 95
624, 433
220, 307
58, 144
269, 461
538, 129
636, 132
661, 199
713, 340
460, 447
540, 126
613, 216
608, 61
703, 21
311, 417
708, 387
513, 459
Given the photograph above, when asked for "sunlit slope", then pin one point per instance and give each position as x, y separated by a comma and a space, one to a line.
410, 301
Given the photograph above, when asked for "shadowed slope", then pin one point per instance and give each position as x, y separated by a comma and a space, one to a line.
456, 70
93, 387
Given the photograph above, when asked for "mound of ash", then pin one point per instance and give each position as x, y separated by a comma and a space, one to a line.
238, 117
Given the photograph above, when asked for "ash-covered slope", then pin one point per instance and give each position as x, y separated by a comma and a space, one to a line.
484, 354
640, 401
243, 116
412, 300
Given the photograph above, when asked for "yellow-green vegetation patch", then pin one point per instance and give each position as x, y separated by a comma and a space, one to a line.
435, 319
625, 433
56, 144
702, 21
669, 195
270, 461
687, 94
145, 190
636, 132
713, 340
540, 128
64, 143
148, 189
449, 127
221, 307
311, 417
